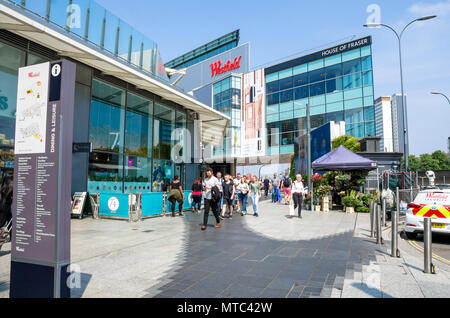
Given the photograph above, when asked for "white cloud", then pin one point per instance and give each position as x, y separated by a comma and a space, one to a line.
439, 8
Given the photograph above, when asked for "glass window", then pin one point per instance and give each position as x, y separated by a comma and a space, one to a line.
317, 75
337, 106
369, 113
350, 67
273, 87
301, 79
164, 121
367, 78
356, 130
271, 77
317, 89
366, 51
334, 116
366, 63
333, 71
351, 55
301, 92
300, 69
335, 59
138, 135
334, 85
137, 169
286, 96
315, 65
317, 121
105, 167
354, 116
107, 117
162, 174
352, 81
286, 83
34, 59
273, 99
285, 73
11, 59
370, 129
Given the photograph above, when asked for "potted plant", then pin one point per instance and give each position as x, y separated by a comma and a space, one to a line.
350, 203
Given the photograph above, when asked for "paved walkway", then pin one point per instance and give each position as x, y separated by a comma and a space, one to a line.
321, 255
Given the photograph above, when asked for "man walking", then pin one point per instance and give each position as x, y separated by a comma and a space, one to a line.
266, 186
275, 185
208, 185
237, 182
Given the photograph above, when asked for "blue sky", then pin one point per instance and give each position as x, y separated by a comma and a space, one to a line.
279, 29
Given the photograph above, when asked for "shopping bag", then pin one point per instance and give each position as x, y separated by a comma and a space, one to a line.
291, 209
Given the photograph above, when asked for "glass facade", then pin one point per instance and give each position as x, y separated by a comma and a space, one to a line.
11, 59
92, 23
227, 95
132, 139
337, 88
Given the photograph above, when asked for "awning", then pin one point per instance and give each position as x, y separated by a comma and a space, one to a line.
343, 159
214, 122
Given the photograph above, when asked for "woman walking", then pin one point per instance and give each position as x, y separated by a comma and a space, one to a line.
255, 193
228, 196
243, 189
298, 193
197, 195
176, 194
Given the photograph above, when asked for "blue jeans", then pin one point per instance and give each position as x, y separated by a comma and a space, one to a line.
243, 198
255, 201
275, 194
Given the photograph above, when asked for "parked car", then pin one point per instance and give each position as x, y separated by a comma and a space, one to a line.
431, 203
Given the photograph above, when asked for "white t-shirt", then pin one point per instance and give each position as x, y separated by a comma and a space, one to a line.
209, 183
297, 187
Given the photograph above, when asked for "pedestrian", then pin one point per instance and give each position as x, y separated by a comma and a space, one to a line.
228, 196
298, 194
255, 193
176, 194
266, 186
243, 189
197, 195
237, 182
287, 188
275, 188
220, 186
210, 185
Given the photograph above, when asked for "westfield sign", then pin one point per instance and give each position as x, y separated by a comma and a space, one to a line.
217, 68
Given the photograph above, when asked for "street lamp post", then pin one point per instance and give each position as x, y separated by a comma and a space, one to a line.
437, 93
405, 113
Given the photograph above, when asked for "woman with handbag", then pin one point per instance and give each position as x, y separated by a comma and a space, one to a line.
176, 194
197, 195
243, 189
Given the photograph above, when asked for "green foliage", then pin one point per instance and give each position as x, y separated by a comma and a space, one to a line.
363, 209
292, 174
350, 202
365, 200
436, 161
349, 142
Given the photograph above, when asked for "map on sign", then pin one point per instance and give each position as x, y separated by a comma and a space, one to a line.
32, 99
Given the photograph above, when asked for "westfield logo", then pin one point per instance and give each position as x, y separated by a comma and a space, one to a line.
217, 68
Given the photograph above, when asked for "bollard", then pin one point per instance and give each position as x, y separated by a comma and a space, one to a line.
378, 224
428, 247
394, 240
384, 213
372, 231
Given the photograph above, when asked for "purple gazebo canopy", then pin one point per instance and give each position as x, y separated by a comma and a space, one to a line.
343, 159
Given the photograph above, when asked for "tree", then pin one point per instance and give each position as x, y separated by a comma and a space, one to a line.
436, 161
349, 142
441, 157
292, 169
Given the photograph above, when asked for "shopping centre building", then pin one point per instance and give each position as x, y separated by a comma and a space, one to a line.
268, 106
208, 104
125, 105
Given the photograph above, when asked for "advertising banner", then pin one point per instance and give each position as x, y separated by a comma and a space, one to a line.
253, 114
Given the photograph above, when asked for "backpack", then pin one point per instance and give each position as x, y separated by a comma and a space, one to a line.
215, 194
287, 182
